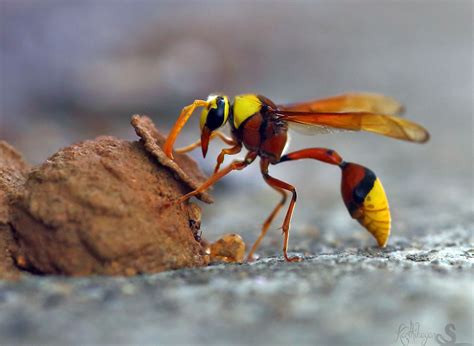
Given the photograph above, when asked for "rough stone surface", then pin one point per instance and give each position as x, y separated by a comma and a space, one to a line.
13, 170
97, 207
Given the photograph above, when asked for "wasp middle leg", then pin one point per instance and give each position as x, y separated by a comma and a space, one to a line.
234, 166
227, 151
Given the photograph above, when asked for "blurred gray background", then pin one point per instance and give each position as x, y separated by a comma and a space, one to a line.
73, 70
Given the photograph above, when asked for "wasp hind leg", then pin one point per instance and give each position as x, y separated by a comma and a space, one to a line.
268, 222
362, 191
279, 185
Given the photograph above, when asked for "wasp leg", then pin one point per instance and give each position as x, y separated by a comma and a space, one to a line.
286, 223
268, 221
182, 119
223, 137
362, 191
234, 166
196, 144
228, 151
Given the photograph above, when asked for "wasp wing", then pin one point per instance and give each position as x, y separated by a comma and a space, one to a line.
351, 102
386, 125
311, 130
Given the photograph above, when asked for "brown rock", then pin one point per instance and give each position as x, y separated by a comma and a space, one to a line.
183, 166
97, 207
230, 248
13, 170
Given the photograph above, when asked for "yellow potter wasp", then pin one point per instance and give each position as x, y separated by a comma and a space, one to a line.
261, 127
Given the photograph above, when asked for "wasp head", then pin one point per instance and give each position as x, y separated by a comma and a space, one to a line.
214, 116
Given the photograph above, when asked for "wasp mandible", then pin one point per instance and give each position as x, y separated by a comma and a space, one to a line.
261, 127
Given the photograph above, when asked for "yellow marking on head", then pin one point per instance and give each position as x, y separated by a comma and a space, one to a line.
375, 215
244, 107
212, 104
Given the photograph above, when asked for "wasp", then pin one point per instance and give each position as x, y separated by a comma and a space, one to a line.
261, 127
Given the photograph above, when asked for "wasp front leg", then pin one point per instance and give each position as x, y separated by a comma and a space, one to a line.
235, 149
182, 119
362, 191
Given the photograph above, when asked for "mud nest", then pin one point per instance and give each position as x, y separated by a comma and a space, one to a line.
97, 207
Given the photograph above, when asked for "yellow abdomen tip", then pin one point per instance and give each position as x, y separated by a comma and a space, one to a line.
375, 214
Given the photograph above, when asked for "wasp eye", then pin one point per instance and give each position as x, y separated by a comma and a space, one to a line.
216, 116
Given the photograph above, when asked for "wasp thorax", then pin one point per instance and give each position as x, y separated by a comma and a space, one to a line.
216, 113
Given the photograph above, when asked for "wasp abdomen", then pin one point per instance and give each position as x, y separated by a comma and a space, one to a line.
365, 199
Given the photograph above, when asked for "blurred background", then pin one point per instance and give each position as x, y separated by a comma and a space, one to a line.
73, 70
